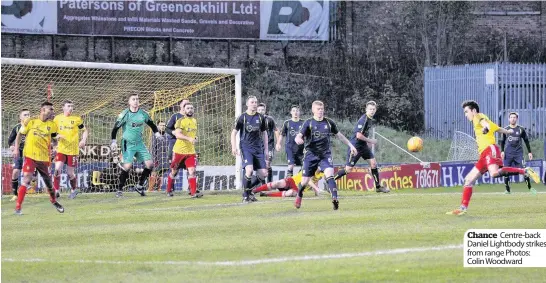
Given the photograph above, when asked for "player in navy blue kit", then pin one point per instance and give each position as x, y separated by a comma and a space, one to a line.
294, 151
512, 149
360, 140
272, 132
318, 150
252, 130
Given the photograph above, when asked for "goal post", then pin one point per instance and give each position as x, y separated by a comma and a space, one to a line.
99, 92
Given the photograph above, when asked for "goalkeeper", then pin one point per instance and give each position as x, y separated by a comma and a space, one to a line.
132, 121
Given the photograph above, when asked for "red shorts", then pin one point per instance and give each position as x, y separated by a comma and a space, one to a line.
290, 185
183, 161
29, 165
489, 156
69, 160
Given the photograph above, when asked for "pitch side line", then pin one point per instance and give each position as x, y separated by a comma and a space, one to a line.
250, 262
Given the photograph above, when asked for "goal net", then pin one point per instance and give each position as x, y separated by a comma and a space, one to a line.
463, 147
99, 92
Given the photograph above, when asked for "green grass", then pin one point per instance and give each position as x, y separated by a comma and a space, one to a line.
156, 239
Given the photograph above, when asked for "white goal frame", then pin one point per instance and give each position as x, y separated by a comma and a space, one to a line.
152, 68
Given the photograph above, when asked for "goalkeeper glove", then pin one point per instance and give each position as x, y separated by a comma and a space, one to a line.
114, 145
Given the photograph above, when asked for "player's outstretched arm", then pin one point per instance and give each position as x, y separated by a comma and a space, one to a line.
314, 187
527, 144
234, 150
85, 135
362, 137
504, 131
344, 140
266, 151
17, 143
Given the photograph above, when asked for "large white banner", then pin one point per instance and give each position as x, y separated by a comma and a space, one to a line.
294, 20
35, 17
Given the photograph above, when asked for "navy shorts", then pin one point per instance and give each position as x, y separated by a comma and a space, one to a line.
255, 158
312, 162
514, 161
18, 163
294, 156
363, 152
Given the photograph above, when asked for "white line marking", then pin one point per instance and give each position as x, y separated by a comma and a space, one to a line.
250, 262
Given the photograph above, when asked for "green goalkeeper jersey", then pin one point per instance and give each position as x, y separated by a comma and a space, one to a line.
132, 124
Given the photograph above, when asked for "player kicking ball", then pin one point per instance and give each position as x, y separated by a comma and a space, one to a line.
184, 155
39, 132
512, 150
68, 148
132, 121
287, 187
360, 141
318, 150
490, 155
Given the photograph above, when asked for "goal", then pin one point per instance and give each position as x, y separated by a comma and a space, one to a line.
99, 93
463, 148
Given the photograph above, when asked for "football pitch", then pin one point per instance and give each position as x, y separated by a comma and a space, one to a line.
403, 236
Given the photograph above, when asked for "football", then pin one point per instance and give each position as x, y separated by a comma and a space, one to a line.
415, 144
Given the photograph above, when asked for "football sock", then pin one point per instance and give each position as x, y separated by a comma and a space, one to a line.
375, 174
170, 183
340, 173
144, 177
193, 185
261, 188
247, 185
506, 180
510, 171
467, 194
528, 182
51, 192
123, 179
274, 194
332, 186
21, 196
14, 186
56, 181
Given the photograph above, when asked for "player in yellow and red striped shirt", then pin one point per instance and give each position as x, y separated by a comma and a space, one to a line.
68, 148
490, 154
39, 132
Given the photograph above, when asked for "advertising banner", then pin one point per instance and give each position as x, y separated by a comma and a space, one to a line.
267, 20
395, 177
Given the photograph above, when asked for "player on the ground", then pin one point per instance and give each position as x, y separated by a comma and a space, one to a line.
132, 121
512, 149
68, 148
184, 155
39, 132
272, 132
318, 150
288, 187
360, 140
490, 155
17, 162
253, 145
294, 151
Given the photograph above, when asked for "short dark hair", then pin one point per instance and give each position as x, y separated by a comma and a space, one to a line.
131, 95
513, 113
159, 121
294, 106
471, 104
67, 102
23, 110
47, 103
262, 105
